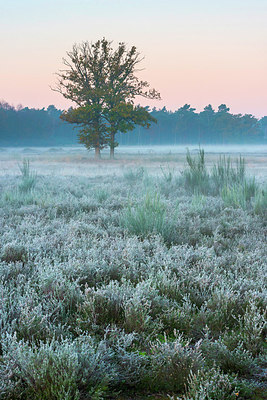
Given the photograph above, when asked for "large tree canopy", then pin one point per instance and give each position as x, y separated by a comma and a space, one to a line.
102, 81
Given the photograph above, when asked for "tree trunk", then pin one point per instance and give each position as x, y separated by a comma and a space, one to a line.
97, 153
111, 153
112, 146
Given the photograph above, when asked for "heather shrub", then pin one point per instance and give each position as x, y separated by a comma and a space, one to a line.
210, 384
172, 363
117, 296
130, 365
232, 360
48, 371
64, 369
253, 328
13, 252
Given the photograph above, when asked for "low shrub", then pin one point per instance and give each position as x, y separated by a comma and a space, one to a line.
13, 252
210, 384
171, 364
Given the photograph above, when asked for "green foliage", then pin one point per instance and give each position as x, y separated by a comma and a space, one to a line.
19, 198
88, 119
239, 195
167, 174
101, 195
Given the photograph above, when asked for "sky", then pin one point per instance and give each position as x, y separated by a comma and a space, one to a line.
196, 51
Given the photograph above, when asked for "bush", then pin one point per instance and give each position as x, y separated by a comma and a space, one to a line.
172, 363
13, 252
43, 373
69, 370
236, 360
210, 385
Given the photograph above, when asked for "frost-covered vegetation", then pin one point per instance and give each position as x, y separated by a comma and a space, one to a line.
135, 285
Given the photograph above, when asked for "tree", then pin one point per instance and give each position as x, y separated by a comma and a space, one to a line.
186, 123
223, 109
224, 123
103, 84
206, 122
123, 117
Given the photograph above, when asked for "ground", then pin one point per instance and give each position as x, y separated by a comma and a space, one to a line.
138, 278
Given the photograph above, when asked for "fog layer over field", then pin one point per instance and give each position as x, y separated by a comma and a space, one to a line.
76, 160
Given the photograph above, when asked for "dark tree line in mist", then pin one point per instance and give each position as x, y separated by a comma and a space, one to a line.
42, 127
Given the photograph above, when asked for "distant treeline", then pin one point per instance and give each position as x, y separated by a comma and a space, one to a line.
42, 127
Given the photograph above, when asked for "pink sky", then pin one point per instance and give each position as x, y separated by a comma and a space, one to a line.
200, 52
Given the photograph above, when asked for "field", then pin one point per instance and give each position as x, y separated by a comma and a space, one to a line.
138, 278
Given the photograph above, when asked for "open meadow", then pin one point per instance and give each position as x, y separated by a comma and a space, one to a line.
142, 277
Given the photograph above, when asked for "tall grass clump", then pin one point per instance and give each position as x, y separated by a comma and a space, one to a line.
29, 177
224, 172
147, 217
260, 202
239, 194
196, 177
226, 179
